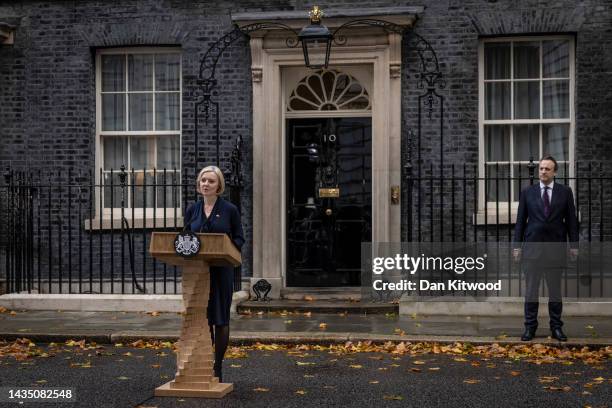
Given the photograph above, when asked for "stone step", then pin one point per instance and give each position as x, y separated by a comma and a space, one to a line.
318, 306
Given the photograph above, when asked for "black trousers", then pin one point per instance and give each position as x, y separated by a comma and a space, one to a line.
533, 272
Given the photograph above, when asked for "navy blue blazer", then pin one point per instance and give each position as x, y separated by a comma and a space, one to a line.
224, 218
533, 226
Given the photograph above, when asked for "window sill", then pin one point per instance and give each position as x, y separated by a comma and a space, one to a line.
493, 217
504, 218
137, 223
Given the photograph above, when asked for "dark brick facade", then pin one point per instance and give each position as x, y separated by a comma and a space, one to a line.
47, 78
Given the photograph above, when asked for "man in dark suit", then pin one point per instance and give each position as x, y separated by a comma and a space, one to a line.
545, 220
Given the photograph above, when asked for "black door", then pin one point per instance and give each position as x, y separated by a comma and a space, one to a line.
329, 199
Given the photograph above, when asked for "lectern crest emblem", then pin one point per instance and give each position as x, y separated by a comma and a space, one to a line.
186, 244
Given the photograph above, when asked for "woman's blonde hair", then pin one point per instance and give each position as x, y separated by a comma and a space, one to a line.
218, 172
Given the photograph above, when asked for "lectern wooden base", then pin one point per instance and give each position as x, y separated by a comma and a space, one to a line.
218, 390
194, 358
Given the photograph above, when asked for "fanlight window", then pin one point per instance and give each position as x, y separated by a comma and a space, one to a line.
328, 90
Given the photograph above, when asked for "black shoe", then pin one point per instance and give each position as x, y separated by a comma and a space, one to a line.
528, 335
558, 334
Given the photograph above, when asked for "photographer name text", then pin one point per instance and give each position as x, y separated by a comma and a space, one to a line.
425, 285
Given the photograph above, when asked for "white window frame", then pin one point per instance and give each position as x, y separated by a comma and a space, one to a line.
141, 218
492, 214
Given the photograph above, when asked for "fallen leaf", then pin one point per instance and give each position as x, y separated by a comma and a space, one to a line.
123, 378
356, 366
235, 365
308, 376
261, 389
434, 368
323, 326
374, 382
564, 389
300, 392
418, 362
308, 314
515, 373
304, 363
471, 381
155, 365
393, 397
415, 370
308, 298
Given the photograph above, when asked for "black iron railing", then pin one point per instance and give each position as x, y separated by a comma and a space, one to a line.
77, 233
472, 204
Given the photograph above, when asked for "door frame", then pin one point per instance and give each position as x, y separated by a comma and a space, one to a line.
269, 56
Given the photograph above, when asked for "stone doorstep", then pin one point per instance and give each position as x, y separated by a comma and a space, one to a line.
318, 306
102, 303
499, 306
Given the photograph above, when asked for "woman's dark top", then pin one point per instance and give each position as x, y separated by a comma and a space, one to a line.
224, 218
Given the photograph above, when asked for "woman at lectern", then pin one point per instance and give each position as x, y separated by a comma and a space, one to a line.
214, 214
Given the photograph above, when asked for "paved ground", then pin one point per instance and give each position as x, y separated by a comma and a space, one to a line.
107, 327
126, 377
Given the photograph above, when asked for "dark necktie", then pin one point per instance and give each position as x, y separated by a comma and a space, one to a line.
546, 202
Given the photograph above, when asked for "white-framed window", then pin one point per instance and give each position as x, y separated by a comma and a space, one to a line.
526, 110
138, 125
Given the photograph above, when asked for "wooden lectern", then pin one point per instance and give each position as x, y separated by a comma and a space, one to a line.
194, 360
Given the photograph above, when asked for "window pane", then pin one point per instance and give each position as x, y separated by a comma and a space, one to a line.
113, 73
498, 177
113, 190
555, 141
521, 178
562, 173
497, 97
141, 111
526, 142
527, 100
167, 72
144, 190
140, 68
497, 143
497, 60
555, 58
142, 150
168, 192
555, 99
115, 152
168, 152
113, 112
167, 111
527, 59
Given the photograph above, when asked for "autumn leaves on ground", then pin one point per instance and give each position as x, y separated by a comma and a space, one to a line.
575, 369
